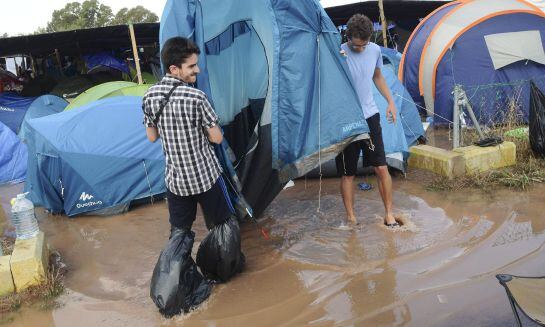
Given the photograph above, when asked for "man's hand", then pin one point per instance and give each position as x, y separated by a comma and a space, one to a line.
391, 113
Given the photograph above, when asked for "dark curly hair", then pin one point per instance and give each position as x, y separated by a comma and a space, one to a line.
176, 50
360, 27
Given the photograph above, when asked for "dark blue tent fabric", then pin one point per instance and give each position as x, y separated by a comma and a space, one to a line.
93, 158
44, 105
468, 64
13, 157
277, 82
107, 60
13, 108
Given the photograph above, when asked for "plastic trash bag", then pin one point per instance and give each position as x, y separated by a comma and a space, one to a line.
537, 121
176, 284
219, 255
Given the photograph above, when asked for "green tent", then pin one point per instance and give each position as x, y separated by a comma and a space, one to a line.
98, 92
136, 90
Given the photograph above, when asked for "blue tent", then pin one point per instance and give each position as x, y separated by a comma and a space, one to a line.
95, 158
275, 76
98, 61
407, 110
13, 108
397, 137
44, 105
13, 157
491, 48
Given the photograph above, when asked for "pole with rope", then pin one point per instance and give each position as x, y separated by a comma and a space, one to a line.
384, 23
135, 54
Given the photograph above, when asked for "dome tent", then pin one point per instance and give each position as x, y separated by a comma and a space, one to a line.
44, 105
276, 79
491, 48
95, 158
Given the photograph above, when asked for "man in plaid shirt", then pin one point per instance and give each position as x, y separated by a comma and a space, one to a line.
187, 126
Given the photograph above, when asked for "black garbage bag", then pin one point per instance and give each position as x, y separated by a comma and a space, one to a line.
219, 255
176, 284
537, 121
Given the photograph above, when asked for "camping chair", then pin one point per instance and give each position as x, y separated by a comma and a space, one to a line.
526, 293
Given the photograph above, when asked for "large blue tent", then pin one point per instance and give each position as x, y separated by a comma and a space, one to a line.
95, 158
492, 49
13, 108
13, 157
273, 71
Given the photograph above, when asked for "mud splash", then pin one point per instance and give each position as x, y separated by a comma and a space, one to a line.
439, 270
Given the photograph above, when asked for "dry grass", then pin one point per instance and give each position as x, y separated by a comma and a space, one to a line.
527, 171
44, 295
7, 244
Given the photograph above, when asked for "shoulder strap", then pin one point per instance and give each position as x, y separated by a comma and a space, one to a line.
164, 104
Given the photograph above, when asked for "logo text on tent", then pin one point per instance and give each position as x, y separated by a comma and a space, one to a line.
348, 128
87, 197
7, 109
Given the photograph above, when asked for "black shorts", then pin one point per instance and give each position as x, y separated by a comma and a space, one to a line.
373, 150
214, 203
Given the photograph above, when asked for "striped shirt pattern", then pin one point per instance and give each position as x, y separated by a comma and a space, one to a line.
191, 164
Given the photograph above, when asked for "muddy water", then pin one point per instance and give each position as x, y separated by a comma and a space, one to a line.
441, 273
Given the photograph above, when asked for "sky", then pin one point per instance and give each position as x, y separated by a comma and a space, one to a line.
26, 16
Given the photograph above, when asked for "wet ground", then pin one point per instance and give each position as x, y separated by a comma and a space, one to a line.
440, 273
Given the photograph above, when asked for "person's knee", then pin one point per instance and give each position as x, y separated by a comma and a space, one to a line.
382, 171
347, 179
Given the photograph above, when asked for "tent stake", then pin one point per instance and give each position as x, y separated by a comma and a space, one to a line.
135, 53
384, 23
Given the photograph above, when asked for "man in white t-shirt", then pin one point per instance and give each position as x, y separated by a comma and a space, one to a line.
364, 61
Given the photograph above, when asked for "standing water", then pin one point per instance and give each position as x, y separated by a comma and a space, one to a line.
23, 218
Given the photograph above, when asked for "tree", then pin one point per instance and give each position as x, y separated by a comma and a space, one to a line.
4, 35
91, 13
74, 15
134, 15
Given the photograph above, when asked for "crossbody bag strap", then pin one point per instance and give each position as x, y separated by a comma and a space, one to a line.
164, 104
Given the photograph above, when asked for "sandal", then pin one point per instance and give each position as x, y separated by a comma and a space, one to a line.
392, 225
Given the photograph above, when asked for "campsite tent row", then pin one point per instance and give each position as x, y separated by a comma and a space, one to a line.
78, 165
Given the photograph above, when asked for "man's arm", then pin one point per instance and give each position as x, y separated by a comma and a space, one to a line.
152, 134
214, 134
380, 83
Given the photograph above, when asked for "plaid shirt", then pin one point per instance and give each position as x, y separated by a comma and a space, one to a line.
191, 164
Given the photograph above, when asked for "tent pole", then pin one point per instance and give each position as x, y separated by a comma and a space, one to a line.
384, 23
34, 70
465, 103
456, 118
135, 53
59, 62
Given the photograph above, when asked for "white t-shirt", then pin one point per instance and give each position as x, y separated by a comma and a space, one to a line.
362, 67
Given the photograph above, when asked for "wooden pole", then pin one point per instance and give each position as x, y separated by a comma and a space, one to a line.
384, 23
135, 54
58, 55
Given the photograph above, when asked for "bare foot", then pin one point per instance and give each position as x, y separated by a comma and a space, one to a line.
352, 221
392, 221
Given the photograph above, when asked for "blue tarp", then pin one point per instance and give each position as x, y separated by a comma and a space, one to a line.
106, 60
44, 105
13, 108
13, 157
93, 158
273, 71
